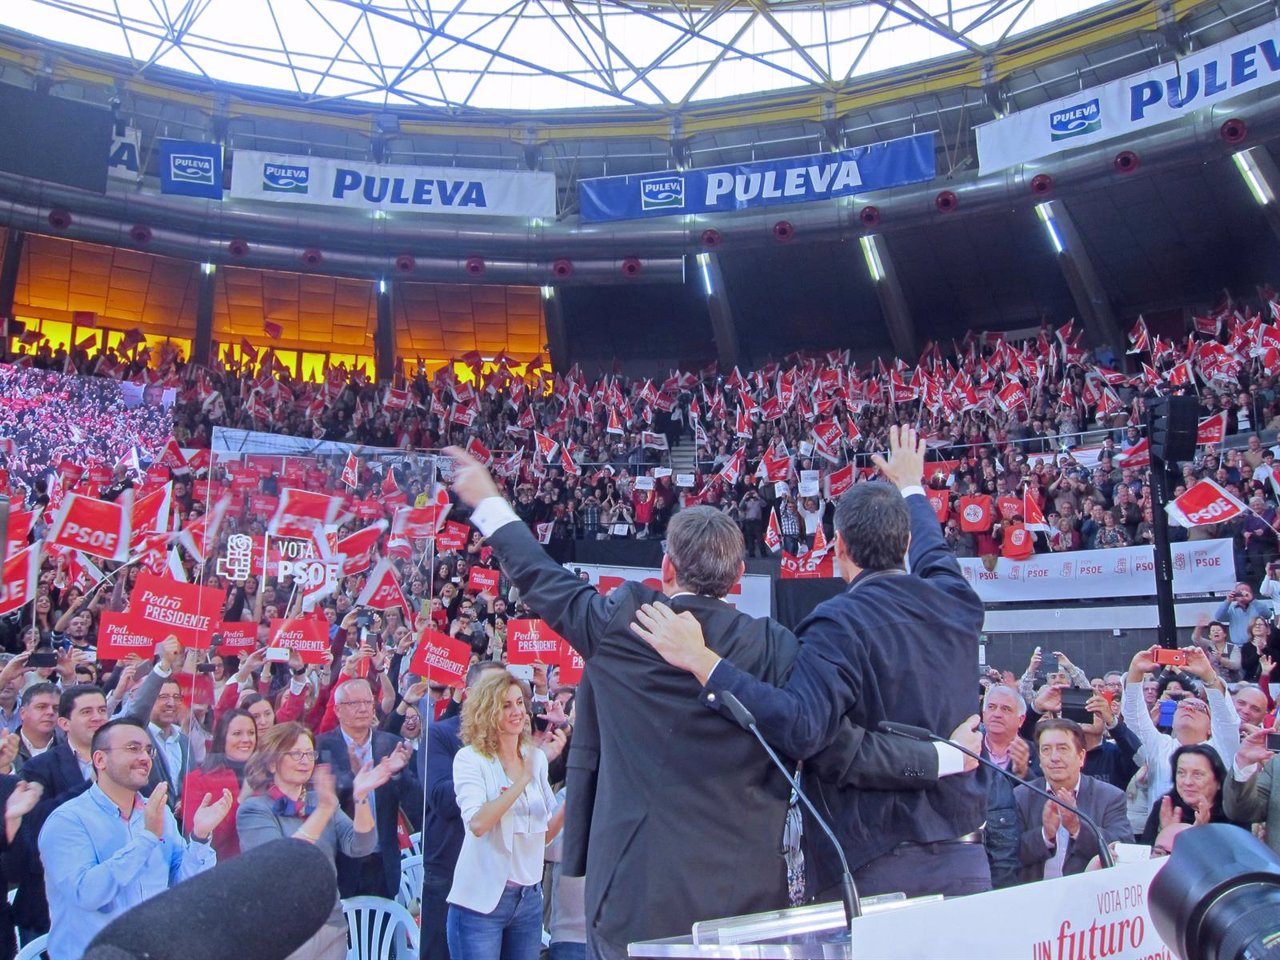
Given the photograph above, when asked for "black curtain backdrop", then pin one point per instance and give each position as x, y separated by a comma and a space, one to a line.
793, 600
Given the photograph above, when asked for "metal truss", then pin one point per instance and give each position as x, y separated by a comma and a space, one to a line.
533, 55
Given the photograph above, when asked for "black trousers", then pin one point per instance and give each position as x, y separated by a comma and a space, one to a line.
949, 868
433, 943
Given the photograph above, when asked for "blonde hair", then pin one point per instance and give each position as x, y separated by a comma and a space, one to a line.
260, 772
482, 712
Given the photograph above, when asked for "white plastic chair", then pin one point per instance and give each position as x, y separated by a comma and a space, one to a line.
34, 950
414, 849
410, 881
379, 929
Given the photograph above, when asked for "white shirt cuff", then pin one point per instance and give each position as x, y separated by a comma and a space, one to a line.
1246, 773
491, 514
912, 491
950, 760
161, 671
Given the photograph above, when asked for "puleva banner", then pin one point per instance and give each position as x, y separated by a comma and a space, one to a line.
746, 185
190, 168
1228, 69
368, 186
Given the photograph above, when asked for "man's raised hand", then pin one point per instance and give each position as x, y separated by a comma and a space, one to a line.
905, 466
471, 481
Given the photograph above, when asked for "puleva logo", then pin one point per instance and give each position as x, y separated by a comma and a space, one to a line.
662, 193
285, 178
1075, 121
191, 168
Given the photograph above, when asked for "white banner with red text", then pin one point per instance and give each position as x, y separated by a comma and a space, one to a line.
1201, 566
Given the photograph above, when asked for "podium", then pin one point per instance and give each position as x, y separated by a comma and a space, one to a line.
1090, 915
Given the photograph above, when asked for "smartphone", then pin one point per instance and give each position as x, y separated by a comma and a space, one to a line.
364, 620
521, 671
1273, 742
1167, 709
42, 659
1109, 696
1073, 701
277, 655
1171, 658
206, 667
1049, 663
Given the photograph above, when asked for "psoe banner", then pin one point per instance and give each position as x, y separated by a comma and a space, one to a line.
1171, 90
369, 186
768, 182
1202, 566
752, 594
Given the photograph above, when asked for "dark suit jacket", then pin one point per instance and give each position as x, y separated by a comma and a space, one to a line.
890, 647
442, 826
58, 771
404, 789
675, 814
1099, 800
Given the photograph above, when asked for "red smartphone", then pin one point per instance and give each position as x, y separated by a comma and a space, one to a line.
1171, 658
1109, 696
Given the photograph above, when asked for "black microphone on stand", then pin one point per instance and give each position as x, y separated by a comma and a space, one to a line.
743, 718
928, 736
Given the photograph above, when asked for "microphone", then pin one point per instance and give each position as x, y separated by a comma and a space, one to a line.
928, 736
267, 902
743, 718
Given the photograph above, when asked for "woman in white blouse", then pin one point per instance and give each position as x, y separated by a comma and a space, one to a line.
500, 778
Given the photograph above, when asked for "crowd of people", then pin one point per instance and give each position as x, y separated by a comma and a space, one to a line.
355, 751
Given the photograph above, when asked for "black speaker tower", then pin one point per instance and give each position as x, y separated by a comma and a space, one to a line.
1172, 425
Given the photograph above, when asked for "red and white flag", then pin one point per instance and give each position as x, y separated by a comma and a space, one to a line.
546, 446
1204, 504
96, 527
351, 471
419, 523
172, 458
150, 514
19, 579
1212, 430
383, 591
198, 536
1032, 515
479, 451
354, 550
19, 530
614, 425
1139, 455
304, 514
839, 481
543, 531
772, 533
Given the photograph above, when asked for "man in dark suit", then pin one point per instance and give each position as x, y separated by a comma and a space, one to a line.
347, 749
675, 814
893, 646
1053, 841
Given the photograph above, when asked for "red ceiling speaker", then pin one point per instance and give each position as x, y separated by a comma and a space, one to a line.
238, 248
140, 233
711, 239
474, 266
1126, 161
783, 230
870, 216
406, 263
946, 201
1041, 184
562, 269
59, 219
631, 267
1233, 130
312, 257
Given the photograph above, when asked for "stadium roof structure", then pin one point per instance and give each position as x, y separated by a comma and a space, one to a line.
468, 56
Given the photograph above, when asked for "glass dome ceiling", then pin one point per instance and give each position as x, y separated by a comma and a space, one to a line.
532, 55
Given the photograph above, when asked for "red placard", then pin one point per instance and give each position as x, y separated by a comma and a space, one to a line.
239, 637
572, 663
310, 638
440, 658
483, 580
120, 634
92, 526
189, 612
452, 536
532, 641
263, 505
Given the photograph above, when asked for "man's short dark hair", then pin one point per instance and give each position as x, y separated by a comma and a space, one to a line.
38, 690
67, 702
104, 731
1061, 723
479, 667
707, 549
875, 525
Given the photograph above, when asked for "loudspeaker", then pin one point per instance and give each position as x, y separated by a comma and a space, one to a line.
1173, 424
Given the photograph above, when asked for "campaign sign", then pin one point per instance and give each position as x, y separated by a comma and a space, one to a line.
440, 658
186, 611
120, 634
532, 641
91, 526
483, 580
236, 638
572, 663
453, 536
190, 168
310, 638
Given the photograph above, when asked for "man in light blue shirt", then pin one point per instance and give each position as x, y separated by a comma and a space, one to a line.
1239, 610
108, 850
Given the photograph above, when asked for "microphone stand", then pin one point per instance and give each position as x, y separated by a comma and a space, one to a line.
743, 717
920, 733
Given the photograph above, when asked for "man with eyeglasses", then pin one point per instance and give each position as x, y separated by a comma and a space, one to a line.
355, 743
173, 747
108, 849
